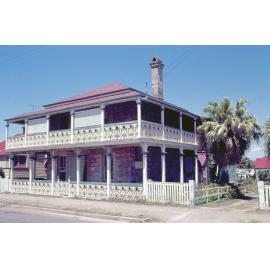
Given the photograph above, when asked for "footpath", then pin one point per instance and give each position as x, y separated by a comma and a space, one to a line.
222, 211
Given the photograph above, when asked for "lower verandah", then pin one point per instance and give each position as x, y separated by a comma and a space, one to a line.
126, 165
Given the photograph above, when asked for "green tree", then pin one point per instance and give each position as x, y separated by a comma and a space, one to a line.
227, 131
246, 163
266, 134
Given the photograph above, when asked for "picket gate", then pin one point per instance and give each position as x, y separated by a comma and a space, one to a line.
4, 185
264, 195
176, 193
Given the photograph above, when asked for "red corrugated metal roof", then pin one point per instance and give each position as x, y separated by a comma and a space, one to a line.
262, 163
3, 151
107, 89
96, 96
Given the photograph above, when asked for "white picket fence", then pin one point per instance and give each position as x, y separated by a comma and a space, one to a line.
184, 194
264, 195
4, 185
175, 193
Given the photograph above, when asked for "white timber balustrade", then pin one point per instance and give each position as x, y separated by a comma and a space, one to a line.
151, 130
181, 165
145, 169
88, 126
108, 170
139, 117
163, 164
121, 131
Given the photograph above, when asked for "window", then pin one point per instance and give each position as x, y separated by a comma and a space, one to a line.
188, 123
60, 122
172, 118
20, 161
151, 112
62, 168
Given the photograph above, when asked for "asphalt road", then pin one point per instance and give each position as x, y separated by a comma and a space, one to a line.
10, 214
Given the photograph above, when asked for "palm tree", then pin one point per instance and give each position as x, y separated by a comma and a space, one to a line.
227, 131
266, 133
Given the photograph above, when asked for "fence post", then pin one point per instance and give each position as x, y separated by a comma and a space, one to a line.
192, 192
260, 185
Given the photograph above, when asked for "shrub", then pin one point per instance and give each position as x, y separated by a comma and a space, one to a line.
264, 175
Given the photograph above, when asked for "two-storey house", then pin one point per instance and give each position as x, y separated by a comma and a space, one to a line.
106, 142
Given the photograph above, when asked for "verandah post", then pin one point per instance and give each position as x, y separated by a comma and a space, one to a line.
72, 125
11, 160
78, 170
53, 161
139, 117
145, 173
181, 165
102, 120
108, 170
69, 187
31, 170
196, 167
163, 163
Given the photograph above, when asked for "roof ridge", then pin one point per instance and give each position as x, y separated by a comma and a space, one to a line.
104, 90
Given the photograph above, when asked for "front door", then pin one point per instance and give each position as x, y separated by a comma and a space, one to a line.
62, 168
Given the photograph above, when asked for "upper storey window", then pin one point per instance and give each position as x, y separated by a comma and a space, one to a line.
151, 112
88, 118
121, 112
172, 118
188, 123
60, 121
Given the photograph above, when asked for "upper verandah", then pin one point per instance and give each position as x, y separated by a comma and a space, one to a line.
104, 95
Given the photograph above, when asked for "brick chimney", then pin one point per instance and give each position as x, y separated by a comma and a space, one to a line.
157, 78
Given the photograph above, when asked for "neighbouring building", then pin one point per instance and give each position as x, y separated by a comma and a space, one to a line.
112, 138
261, 165
4, 161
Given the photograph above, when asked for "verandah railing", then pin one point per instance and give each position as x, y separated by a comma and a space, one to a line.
156, 192
86, 190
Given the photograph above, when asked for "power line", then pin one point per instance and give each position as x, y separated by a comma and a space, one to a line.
179, 60
176, 59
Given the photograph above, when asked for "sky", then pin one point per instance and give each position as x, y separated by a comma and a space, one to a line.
32, 76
